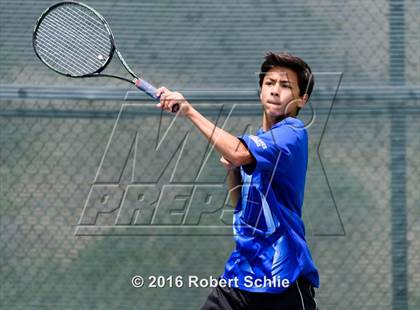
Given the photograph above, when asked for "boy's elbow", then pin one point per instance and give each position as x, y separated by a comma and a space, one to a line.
242, 158
236, 163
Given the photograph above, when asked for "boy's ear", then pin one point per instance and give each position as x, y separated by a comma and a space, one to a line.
301, 103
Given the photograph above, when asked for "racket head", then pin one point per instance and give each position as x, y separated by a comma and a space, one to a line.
73, 39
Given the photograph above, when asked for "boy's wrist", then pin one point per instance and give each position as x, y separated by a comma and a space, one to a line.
188, 110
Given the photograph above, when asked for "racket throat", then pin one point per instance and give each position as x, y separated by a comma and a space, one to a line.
126, 65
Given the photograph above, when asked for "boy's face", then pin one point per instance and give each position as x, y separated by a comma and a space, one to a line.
280, 93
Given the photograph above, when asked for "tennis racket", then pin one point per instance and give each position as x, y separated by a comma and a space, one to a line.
73, 39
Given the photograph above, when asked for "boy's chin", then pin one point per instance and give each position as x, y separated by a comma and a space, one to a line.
274, 114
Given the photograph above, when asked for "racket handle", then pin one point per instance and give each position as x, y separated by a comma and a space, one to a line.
151, 91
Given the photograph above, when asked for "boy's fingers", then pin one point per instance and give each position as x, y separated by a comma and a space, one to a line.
161, 90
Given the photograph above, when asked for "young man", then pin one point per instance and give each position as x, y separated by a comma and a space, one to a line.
271, 267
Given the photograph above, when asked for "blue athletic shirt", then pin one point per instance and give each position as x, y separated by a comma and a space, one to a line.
267, 223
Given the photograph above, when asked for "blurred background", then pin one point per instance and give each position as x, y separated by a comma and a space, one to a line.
362, 200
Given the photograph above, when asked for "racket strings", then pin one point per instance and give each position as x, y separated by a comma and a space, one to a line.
69, 55
92, 27
66, 20
63, 48
75, 31
55, 60
73, 40
92, 19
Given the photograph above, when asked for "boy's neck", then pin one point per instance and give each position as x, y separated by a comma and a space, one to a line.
268, 121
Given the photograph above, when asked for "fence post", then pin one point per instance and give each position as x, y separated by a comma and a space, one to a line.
398, 158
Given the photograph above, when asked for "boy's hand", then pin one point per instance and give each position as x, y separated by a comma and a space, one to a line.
168, 99
227, 164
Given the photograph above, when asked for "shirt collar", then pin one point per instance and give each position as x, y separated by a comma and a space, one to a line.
287, 121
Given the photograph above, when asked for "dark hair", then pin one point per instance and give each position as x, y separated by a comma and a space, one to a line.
303, 71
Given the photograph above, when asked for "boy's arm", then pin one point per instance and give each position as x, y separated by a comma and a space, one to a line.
234, 181
229, 146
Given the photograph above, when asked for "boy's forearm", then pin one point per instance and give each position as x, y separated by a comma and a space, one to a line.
234, 185
226, 144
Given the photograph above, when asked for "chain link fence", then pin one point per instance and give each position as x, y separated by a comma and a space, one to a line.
49, 163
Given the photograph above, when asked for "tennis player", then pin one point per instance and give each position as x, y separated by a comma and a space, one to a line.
271, 266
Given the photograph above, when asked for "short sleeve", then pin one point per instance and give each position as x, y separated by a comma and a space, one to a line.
271, 150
